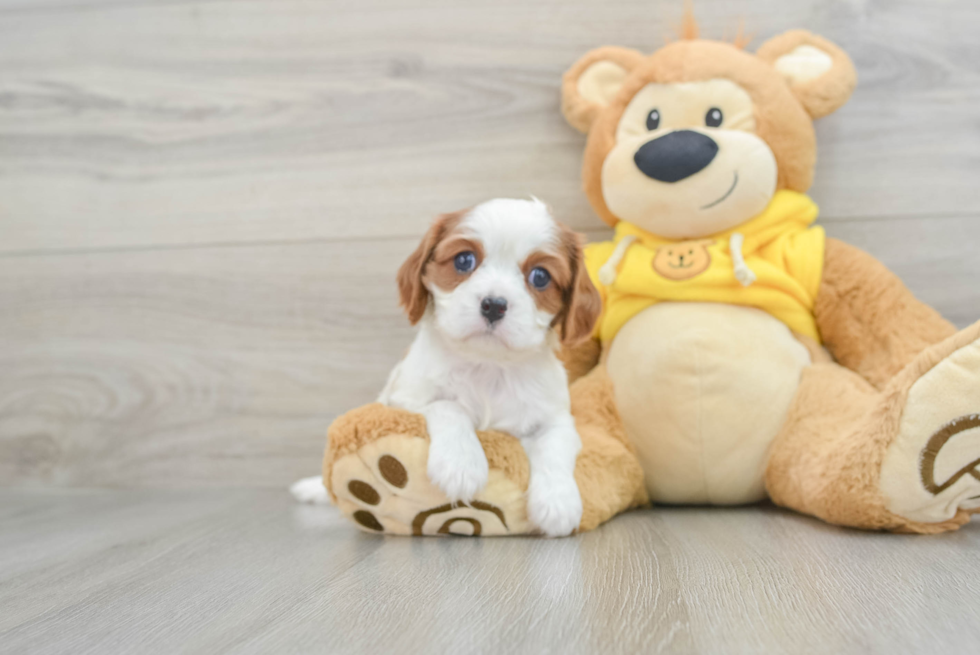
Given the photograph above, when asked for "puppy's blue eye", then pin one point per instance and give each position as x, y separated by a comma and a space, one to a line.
539, 278
464, 262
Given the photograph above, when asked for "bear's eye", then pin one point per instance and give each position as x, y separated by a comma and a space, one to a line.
464, 262
539, 278
653, 119
713, 118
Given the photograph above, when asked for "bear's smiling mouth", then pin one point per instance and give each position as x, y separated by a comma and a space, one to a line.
680, 265
727, 193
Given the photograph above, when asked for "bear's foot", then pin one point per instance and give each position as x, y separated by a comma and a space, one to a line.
376, 473
931, 472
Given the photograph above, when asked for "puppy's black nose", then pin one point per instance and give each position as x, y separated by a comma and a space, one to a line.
675, 156
493, 309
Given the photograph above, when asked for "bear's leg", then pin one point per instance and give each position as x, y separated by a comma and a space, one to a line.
905, 458
869, 321
375, 471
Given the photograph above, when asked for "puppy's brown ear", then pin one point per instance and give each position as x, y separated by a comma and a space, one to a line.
413, 296
582, 302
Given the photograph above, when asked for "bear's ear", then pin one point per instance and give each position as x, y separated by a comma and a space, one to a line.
591, 84
819, 73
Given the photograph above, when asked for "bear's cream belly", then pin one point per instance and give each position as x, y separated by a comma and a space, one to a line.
703, 389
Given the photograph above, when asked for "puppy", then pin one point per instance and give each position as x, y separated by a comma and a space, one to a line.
496, 290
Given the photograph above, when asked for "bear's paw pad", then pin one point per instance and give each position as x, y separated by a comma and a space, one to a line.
932, 470
383, 488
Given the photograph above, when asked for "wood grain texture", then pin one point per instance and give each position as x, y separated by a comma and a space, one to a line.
149, 123
203, 204
248, 572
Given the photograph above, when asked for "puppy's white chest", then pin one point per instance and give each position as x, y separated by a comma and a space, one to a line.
501, 399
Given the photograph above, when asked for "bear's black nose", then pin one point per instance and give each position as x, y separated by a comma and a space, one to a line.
675, 156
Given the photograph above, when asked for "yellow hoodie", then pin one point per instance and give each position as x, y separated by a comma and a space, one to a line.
781, 259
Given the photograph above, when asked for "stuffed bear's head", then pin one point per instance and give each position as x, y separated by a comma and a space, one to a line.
696, 138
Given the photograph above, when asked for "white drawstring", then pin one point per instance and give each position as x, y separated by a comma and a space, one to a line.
607, 274
743, 273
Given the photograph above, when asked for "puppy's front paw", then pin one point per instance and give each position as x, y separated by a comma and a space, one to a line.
458, 466
554, 505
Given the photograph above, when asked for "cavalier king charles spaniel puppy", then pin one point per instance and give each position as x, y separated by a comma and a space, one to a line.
496, 290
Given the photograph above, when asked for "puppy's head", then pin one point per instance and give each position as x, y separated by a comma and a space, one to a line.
500, 278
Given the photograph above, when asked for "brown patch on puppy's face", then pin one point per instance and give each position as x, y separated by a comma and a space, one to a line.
551, 298
413, 295
441, 271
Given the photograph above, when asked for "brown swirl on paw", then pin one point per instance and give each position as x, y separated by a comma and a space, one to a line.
419, 522
927, 461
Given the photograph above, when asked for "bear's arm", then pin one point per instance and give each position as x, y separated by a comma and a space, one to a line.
868, 320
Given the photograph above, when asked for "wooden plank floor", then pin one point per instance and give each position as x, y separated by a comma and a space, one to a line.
249, 572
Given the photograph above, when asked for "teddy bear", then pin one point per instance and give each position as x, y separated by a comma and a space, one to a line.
741, 354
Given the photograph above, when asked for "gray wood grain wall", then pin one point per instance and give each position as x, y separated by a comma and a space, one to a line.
202, 204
